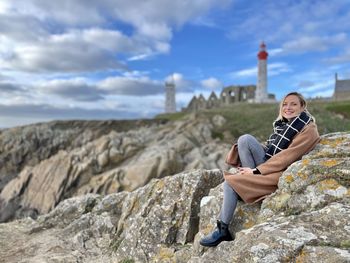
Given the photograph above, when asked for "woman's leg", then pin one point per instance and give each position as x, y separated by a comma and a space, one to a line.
251, 152
221, 232
229, 203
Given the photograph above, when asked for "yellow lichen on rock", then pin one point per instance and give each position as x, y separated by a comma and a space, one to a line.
301, 257
165, 254
249, 224
240, 212
160, 185
333, 143
289, 178
281, 200
306, 162
330, 163
208, 229
328, 184
302, 175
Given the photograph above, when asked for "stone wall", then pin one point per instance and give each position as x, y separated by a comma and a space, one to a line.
229, 95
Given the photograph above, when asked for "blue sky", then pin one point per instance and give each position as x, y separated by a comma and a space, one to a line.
108, 59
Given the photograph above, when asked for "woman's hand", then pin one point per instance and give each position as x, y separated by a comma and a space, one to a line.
245, 170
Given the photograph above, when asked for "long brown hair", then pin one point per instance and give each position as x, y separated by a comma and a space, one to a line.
302, 103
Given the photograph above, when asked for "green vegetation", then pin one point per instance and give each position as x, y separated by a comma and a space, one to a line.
171, 116
256, 119
345, 244
342, 108
114, 245
332, 116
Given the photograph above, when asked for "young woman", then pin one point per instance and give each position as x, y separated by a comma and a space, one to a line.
260, 166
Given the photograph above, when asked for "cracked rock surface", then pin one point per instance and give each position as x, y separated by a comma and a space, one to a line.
306, 220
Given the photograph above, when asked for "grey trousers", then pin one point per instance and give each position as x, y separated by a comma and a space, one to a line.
251, 153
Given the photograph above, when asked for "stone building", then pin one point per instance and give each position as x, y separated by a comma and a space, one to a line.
213, 100
233, 94
228, 95
170, 103
342, 89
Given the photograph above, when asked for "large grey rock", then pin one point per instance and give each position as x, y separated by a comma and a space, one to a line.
320, 178
110, 163
31, 144
289, 239
142, 225
310, 210
163, 220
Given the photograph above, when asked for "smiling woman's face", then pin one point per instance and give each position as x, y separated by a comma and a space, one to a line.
291, 107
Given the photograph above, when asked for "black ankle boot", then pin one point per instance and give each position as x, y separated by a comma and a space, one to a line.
221, 233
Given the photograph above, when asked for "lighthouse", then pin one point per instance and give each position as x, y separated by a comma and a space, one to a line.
170, 104
261, 89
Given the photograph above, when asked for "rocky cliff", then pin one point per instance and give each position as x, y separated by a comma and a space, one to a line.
43, 164
305, 220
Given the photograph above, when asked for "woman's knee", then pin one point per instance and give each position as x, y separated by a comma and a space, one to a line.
244, 140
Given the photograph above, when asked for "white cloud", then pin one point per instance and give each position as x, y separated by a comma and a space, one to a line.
275, 51
339, 59
244, 73
4, 7
314, 83
183, 98
140, 57
212, 83
72, 36
58, 58
13, 115
181, 83
317, 86
9, 88
73, 89
314, 43
135, 86
275, 69
324, 93
305, 83
21, 29
306, 29
112, 40
155, 31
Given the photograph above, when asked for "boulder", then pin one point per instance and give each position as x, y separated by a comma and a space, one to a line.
111, 163
148, 224
290, 239
305, 220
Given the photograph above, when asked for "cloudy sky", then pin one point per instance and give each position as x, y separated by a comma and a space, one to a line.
104, 59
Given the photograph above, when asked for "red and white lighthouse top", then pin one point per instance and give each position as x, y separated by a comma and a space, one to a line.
262, 55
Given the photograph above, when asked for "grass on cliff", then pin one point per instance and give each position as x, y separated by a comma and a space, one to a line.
256, 119
342, 108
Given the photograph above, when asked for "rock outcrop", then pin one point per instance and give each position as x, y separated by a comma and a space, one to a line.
305, 220
141, 225
80, 162
31, 144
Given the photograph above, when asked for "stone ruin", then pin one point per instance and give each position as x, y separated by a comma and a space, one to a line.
229, 95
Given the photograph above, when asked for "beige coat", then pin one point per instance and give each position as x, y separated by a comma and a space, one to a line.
252, 188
